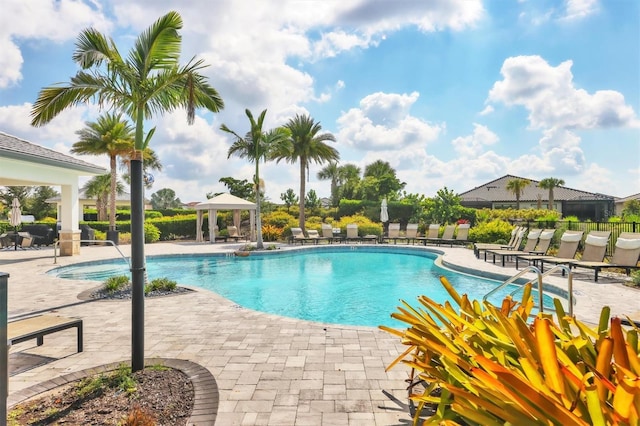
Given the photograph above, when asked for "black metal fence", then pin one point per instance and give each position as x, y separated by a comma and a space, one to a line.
616, 228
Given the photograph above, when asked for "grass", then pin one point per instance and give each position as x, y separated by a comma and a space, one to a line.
113, 284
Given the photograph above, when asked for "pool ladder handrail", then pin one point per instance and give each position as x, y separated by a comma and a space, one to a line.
57, 243
539, 278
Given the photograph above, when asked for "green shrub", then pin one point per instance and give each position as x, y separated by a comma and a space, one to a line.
151, 233
280, 219
365, 225
489, 232
160, 284
117, 283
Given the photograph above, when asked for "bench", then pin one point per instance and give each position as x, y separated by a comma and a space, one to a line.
39, 326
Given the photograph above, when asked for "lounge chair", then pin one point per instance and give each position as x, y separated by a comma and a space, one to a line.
327, 233
297, 236
462, 234
314, 235
233, 233
432, 234
569, 242
625, 255
411, 234
595, 248
5, 241
447, 235
393, 233
529, 246
513, 242
26, 240
352, 233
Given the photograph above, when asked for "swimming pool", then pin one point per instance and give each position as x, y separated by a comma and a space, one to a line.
343, 285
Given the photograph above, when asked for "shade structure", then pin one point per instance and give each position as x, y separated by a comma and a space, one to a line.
15, 218
384, 214
223, 202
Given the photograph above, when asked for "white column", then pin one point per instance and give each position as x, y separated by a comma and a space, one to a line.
69, 230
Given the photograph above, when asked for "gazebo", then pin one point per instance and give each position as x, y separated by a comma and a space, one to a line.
224, 202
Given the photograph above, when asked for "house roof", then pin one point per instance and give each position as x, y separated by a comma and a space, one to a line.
496, 191
19, 149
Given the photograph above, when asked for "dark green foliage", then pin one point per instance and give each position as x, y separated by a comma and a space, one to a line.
117, 283
160, 284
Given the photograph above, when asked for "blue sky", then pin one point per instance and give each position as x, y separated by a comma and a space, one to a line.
451, 93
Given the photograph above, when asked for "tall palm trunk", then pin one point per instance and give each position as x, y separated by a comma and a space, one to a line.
112, 196
551, 198
137, 248
303, 169
259, 242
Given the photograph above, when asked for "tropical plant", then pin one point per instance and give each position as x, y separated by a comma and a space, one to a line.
165, 198
289, 198
239, 188
517, 186
349, 183
305, 145
311, 200
550, 183
331, 172
487, 365
100, 187
109, 135
446, 206
39, 206
256, 146
380, 181
160, 284
149, 81
631, 208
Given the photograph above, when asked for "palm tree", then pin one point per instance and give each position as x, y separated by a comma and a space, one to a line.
331, 172
150, 162
349, 180
100, 188
149, 81
306, 144
110, 135
550, 183
516, 186
256, 146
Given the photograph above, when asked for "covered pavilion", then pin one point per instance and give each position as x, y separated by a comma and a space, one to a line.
224, 202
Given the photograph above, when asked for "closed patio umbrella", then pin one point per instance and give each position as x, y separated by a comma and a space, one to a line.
384, 214
15, 218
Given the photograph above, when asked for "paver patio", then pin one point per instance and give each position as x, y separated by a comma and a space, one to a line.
269, 370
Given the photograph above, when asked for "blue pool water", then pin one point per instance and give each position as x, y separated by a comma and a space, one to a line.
361, 286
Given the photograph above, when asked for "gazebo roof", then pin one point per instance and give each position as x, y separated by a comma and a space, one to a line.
226, 202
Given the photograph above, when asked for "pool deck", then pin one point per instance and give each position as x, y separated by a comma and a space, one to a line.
269, 370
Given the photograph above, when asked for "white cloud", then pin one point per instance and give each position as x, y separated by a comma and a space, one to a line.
49, 20
383, 122
551, 98
487, 110
473, 145
579, 9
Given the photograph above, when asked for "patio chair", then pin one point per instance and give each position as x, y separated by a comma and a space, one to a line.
462, 234
234, 234
393, 233
529, 246
352, 232
432, 234
26, 240
327, 232
447, 235
297, 236
625, 255
478, 247
5, 241
314, 235
595, 248
569, 242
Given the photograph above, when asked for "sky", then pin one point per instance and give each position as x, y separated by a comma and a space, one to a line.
450, 93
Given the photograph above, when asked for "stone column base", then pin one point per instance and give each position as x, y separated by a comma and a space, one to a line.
69, 243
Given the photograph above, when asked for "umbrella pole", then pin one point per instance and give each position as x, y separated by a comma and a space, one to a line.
15, 246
